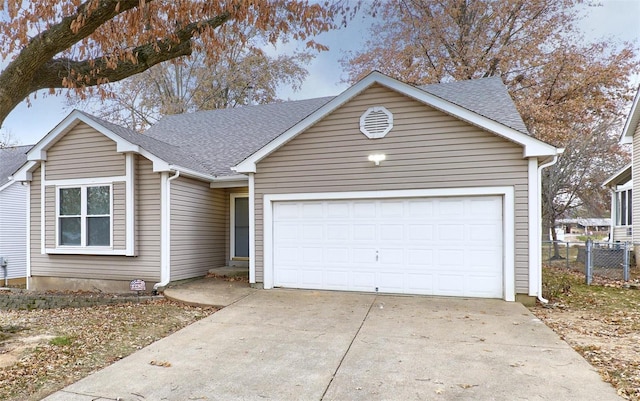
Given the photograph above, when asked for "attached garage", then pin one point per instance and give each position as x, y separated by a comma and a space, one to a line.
391, 188
435, 246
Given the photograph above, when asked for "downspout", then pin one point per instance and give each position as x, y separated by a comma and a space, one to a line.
545, 165
165, 234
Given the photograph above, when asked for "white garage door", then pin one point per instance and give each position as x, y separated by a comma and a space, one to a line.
438, 246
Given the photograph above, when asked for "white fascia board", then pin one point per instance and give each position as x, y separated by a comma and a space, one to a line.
532, 146
632, 122
616, 175
232, 181
24, 173
191, 173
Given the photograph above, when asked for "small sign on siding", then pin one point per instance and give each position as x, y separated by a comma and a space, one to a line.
137, 285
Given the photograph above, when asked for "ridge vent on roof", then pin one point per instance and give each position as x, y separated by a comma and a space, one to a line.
376, 122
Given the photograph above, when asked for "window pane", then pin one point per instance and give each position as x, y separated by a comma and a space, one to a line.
98, 232
623, 208
69, 201
69, 230
629, 208
97, 200
241, 229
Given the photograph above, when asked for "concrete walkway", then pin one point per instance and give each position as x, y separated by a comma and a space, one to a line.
316, 345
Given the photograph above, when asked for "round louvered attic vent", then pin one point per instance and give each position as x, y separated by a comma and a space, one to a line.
376, 122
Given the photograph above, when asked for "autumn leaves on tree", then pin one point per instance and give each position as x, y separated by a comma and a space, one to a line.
76, 44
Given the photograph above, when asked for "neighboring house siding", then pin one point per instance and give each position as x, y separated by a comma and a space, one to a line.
621, 234
86, 147
13, 230
146, 265
197, 228
426, 149
635, 171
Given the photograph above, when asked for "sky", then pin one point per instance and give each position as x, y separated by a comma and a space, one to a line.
615, 18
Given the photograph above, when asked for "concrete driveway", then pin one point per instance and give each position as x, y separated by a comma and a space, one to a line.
315, 345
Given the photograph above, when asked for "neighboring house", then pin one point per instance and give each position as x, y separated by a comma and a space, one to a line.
631, 135
621, 188
387, 187
13, 218
585, 226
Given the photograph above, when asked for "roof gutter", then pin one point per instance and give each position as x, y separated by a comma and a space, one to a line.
165, 230
540, 168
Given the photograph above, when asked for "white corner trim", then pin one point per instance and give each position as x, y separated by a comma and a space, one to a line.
42, 207
130, 209
532, 146
535, 227
28, 233
507, 193
252, 229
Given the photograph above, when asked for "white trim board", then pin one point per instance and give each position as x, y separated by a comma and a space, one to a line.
507, 193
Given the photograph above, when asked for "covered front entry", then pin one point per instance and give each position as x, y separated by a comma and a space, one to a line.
450, 246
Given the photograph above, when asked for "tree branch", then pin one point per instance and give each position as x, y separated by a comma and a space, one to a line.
96, 71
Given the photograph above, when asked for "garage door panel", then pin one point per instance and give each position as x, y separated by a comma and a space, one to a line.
364, 210
363, 280
438, 246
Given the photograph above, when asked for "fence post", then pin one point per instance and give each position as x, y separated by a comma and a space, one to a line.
567, 246
625, 267
588, 262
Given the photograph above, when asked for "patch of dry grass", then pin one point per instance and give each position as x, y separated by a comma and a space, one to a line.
57, 347
601, 322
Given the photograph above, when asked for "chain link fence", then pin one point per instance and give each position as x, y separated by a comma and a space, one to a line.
599, 260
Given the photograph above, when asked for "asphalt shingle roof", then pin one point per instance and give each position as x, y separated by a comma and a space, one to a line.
220, 139
486, 96
11, 159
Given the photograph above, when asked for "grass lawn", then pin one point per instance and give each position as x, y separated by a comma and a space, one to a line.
601, 322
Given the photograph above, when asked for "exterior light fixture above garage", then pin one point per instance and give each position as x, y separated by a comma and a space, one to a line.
377, 158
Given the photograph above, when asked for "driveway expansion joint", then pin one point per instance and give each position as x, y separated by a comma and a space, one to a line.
344, 355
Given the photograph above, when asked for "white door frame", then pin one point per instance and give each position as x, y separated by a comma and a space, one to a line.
508, 210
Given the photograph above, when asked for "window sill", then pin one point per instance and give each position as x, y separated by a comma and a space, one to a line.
86, 251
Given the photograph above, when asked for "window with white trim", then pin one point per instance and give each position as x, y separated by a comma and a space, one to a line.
84, 216
624, 206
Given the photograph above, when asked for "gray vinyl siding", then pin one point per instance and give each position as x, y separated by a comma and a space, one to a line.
426, 149
13, 230
84, 152
197, 228
146, 265
621, 233
119, 217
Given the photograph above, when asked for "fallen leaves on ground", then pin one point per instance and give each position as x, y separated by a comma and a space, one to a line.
57, 347
602, 323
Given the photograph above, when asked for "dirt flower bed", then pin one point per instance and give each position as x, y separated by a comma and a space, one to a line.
601, 322
42, 351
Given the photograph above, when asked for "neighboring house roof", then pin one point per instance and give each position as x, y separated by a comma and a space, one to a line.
11, 159
633, 120
586, 222
622, 177
488, 97
220, 139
